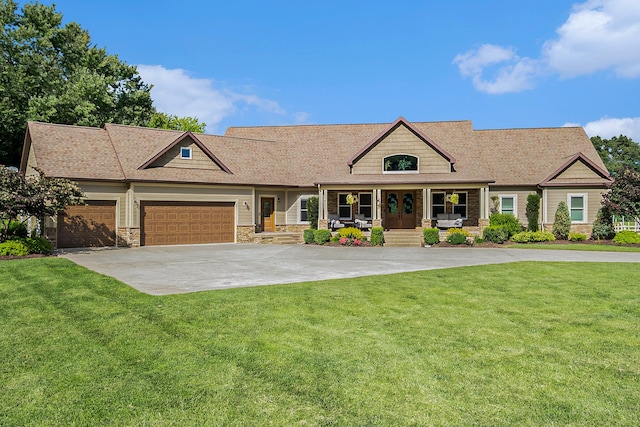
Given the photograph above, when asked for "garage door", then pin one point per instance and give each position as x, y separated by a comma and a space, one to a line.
93, 224
184, 223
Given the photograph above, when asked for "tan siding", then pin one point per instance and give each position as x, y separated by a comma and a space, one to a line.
32, 162
185, 193
199, 160
521, 195
402, 141
555, 196
293, 204
577, 170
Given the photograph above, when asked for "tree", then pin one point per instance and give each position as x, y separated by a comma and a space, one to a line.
52, 73
34, 195
618, 153
624, 197
603, 225
165, 121
562, 222
533, 211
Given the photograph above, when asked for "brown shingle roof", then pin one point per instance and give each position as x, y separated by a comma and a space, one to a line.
304, 155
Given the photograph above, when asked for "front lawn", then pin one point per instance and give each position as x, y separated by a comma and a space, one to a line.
517, 344
595, 247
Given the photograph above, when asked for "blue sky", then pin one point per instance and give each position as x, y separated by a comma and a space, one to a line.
499, 63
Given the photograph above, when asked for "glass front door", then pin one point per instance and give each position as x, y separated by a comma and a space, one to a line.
400, 211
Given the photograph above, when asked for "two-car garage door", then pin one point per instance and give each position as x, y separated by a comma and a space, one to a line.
178, 223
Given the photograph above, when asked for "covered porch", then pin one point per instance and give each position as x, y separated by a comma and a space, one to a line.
405, 207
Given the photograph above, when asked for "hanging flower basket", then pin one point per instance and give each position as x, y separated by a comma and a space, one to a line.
351, 199
454, 198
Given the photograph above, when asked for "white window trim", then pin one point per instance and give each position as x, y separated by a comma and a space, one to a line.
370, 206
339, 205
306, 198
466, 205
182, 156
401, 172
515, 203
444, 193
585, 204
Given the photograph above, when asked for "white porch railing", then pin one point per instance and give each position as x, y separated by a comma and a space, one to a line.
620, 224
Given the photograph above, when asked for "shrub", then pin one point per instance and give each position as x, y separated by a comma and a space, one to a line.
431, 236
457, 238
533, 236
16, 247
308, 235
603, 225
15, 228
478, 240
322, 236
508, 221
312, 212
377, 236
39, 245
350, 233
495, 234
465, 233
577, 237
562, 222
533, 211
627, 237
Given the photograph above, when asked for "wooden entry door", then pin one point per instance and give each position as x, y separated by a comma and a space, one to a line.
268, 216
400, 211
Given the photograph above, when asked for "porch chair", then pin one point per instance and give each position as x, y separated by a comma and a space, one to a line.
361, 222
334, 222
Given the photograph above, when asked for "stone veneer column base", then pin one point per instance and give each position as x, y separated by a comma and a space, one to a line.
128, 237
244, 234
376, 223
323, 224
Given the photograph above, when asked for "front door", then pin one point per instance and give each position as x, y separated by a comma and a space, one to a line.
268, 221
400, 212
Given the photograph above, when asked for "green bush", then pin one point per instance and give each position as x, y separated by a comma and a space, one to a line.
350, 233
533, 236
577, 237
603, 225
15, 228
377, 236
16, 247
533, 211
39, 245
308, 235
431, 236
457, 238
627, 237
322, 236
478, 240
465, 233
562, 222
312, 212
508, 221
495, 234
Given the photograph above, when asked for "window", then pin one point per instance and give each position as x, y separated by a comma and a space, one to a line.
437, 204
364, 205
400, 163
185, 152
344, 208
461, 206
508, 205
303, 209
577, 204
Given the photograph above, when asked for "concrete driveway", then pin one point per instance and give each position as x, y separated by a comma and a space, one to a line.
161, 270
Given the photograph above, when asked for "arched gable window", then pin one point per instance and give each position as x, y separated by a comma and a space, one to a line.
400, 163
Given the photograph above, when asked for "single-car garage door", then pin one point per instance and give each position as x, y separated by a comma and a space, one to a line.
183, 223
92, 224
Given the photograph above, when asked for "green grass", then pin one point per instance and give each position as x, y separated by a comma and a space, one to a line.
576, 247
516, 344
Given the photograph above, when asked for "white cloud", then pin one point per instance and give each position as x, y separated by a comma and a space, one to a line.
515, 76
176, 92
598, 35
608, 127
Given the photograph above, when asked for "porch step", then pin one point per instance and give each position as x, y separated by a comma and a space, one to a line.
402, 238
278, 238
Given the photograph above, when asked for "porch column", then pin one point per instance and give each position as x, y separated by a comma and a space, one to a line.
321, 213
483, 205
426, 194
374, 202
486, 203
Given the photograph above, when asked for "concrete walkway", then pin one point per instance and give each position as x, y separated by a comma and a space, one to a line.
161, 270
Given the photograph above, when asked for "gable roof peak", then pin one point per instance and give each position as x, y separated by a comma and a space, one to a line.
182, 137
401, 121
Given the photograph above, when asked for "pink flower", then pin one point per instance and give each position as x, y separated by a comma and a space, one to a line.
357, 242
343, 240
